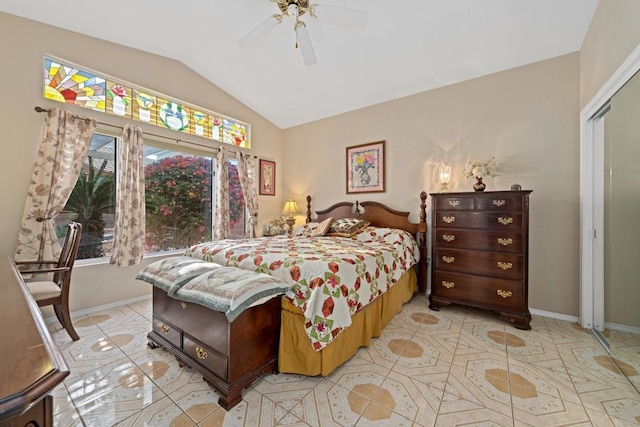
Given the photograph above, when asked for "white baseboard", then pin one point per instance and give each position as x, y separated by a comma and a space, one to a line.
553, 315
622, 328
99, 308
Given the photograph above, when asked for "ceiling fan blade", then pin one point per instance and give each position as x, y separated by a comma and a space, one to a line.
304, 42
261, 30
340, 15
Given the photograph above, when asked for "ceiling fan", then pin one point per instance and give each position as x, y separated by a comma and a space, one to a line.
296, 9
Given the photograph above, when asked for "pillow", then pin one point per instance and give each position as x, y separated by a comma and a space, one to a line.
313, 229
346, 227
275, 227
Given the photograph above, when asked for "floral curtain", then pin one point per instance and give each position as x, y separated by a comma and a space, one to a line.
65, 142
128, 237
222, 225
247, 174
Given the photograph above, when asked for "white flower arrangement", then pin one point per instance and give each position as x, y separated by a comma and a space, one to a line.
477, 169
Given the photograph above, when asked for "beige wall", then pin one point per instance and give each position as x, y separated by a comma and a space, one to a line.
526, 117
24, 43
612, 36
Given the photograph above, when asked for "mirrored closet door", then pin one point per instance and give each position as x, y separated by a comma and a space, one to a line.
614, 303
617, 295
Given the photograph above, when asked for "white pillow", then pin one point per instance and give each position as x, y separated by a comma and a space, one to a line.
313, 229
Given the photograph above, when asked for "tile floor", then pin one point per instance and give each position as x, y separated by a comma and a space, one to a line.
459, 366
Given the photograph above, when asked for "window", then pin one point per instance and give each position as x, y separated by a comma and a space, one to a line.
180, 197
64, 82
92, 201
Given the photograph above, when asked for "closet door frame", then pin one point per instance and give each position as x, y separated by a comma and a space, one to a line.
592, 195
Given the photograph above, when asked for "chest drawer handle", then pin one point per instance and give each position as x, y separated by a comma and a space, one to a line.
505, 220
448, 259
184, 305
499, 202
201, 353
505, 241
454, 203
448, 219
505, 265
448, 285
504, 294
448, 237
165, 329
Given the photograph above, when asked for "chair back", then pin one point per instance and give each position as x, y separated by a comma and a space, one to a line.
69, 250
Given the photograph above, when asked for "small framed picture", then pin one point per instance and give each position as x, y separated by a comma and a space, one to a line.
267, 181
365, 168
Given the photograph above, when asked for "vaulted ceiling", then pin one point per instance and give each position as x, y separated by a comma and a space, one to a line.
406, 47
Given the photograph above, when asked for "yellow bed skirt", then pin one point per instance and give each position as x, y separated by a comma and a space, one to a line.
296, 356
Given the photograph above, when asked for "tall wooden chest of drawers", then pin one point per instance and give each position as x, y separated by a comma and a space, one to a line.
480, 251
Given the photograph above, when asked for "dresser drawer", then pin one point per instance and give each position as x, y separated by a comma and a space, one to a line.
477, 219
504, 202
503, 265
476, 290
167, 331
506, 241
205, 356
453, 203
169, 308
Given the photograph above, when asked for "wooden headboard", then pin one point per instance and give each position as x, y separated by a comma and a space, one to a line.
380, 215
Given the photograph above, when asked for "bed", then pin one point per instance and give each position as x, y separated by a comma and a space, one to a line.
318, 323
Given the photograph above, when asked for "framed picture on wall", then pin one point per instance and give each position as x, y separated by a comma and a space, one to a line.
365, 168
267, 181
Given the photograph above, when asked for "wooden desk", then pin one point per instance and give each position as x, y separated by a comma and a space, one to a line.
30, 363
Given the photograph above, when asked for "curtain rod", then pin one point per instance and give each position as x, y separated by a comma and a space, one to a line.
39, 109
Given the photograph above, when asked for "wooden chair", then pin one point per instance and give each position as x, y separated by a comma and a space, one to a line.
55, 291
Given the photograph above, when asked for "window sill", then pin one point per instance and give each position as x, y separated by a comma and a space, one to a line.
105, 260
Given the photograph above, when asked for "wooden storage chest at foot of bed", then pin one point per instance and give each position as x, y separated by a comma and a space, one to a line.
229, 355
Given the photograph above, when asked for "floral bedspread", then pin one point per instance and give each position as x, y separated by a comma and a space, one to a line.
331, 278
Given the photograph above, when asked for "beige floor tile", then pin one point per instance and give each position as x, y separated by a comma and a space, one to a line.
599, 419
198, 400
163, 413
414, 400
485, 387
481, 417
121, 372
377, 415
255, 410
331, 405
110, 406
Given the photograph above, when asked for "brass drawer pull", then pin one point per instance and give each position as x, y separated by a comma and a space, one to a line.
448, 237
184, 305
505, 220
499, 202
448, 259
448, 219
201, 353
165, 329
454, 203
448, 285
505, 265
504, 294
505, 241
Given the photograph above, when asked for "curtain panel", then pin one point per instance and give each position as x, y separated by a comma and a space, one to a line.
247, 174
63, 149
222, 228
128, 237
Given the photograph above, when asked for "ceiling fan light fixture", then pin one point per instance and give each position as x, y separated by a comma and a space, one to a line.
304, 42
261, 30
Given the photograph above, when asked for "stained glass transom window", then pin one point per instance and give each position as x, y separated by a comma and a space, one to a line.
72, 85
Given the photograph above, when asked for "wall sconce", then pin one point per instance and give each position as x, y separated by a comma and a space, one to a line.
444, 173
290, 208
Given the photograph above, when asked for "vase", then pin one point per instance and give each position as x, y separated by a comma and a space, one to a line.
479, 185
